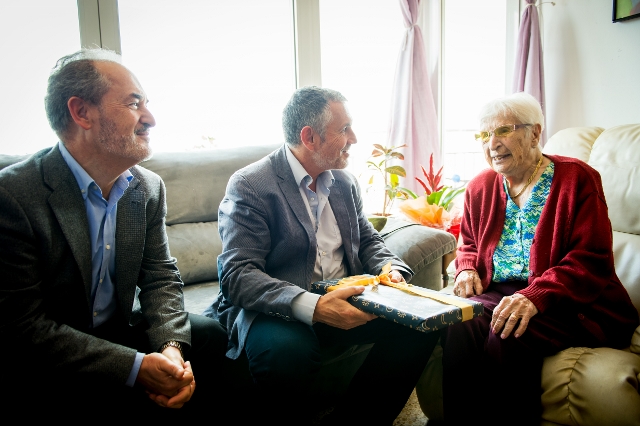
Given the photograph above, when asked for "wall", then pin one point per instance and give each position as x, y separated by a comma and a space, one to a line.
592, 66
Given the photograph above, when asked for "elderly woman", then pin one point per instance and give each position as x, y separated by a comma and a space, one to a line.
537, 252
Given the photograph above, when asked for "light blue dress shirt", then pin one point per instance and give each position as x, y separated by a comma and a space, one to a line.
329, 251
102, 215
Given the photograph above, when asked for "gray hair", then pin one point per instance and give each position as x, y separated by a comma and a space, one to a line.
524, 107
309, 106
76, 75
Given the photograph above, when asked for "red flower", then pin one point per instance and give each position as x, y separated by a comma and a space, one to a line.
433, 181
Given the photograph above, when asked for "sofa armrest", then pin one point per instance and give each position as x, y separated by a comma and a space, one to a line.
591, 386
421, 248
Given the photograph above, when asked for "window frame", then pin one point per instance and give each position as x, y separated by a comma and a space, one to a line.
99, 26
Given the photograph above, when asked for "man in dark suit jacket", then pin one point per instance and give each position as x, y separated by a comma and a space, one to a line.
91, 304
286, 221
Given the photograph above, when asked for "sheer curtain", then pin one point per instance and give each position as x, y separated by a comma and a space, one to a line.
528, 73
413, 111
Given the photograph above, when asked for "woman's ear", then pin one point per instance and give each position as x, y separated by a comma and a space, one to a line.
537, 131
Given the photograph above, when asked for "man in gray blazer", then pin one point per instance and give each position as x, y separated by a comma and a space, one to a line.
91, 305
288, 220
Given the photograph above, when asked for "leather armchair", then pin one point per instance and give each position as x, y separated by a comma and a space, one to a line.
588, 386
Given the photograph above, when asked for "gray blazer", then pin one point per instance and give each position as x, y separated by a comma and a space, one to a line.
269, 243
45, 268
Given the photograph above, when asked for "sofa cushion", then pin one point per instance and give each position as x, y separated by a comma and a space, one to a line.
196, 247
196, 181
626, 254
573, 142
616, 155
7, 160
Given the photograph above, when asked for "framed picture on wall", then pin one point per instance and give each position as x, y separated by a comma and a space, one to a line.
625, 9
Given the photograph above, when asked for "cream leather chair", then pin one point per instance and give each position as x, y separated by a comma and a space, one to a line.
586, 386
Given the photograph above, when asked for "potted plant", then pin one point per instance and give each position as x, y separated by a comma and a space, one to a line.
386, 176
434, 208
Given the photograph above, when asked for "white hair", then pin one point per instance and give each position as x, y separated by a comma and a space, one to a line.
524, 107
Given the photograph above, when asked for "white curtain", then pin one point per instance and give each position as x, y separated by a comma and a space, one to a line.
413, 111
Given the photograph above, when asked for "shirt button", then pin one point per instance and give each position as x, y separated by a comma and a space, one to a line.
95, 314
108, 247
100, 281
581, 316
312, 199
83, 191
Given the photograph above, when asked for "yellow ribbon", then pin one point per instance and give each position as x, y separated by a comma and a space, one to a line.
467, 308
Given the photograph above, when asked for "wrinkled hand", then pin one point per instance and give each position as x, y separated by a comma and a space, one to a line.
509, 311
334, 310
468, 284
168, 380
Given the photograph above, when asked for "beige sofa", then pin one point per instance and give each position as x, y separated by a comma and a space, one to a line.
588, 386
196, 183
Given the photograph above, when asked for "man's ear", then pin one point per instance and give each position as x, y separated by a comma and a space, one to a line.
309, 138
79, 110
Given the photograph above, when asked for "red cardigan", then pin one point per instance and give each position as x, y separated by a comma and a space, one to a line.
571, 260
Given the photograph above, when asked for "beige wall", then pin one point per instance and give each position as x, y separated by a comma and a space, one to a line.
592, 66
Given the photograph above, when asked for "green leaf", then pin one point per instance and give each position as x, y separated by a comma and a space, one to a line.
408, 192
396, 170
434, 198
450, 196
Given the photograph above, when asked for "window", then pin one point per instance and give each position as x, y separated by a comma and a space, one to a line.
475, 68
359, 45
218, 73
34, 34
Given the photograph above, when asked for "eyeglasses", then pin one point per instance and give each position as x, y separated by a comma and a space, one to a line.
500, 132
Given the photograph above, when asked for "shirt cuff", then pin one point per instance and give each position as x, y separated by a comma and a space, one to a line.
303, 307
135, 369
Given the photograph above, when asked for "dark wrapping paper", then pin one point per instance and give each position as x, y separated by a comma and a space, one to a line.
416, 312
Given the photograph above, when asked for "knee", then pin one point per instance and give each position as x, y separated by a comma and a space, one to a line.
286, 358
207, 337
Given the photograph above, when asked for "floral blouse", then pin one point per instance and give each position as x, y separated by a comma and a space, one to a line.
511, 258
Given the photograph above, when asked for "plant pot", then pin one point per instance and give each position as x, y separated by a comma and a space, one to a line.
378, 220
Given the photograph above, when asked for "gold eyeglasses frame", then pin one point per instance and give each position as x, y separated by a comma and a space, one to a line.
500, 131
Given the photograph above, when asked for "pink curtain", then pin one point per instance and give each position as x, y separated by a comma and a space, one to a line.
528, 73
413, 111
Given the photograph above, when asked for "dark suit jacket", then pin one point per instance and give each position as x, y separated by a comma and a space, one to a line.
269, 243
45, 269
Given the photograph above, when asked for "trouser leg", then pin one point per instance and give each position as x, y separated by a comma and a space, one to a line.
382, 385
220, 381
284, 358
485, 376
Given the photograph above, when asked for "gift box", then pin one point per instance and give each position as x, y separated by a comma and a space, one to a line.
427, 311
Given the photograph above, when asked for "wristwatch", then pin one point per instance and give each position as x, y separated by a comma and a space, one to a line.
174, 344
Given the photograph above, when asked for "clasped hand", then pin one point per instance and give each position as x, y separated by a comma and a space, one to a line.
167, 379
334, 310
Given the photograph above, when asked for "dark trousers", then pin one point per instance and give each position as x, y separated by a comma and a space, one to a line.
285, 356
498, 380
45, 394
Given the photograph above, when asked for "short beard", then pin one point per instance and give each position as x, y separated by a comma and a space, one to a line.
124, 146
326, 163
